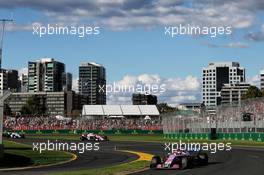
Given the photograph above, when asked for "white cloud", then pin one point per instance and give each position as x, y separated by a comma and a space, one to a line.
125, 14
177, 90
75, 84
254, 80
236, 45
256, 36
23, 70
148, 14
20, 27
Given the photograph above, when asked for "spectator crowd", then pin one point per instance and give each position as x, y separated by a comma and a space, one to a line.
53, 123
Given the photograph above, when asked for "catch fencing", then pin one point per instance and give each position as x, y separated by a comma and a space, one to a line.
241, 120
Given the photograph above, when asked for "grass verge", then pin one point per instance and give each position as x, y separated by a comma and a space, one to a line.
46, 157
114, 170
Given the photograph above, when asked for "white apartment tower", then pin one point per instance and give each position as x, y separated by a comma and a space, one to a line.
214, 78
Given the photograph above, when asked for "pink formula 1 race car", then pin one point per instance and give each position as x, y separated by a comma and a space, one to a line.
180, 160
93, 137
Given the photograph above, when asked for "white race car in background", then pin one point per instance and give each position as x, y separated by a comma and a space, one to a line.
93, 137
13, 135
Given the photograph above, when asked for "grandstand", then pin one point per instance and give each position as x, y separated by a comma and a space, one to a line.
119, 111
94, 117
52, 123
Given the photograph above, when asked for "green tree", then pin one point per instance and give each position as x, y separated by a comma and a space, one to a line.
25, 110
35, 106
165, 108
253, 92
7, 109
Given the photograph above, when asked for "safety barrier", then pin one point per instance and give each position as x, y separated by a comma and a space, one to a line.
259, 137
201, 136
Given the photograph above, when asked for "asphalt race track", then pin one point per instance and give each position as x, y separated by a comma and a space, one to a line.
236, 162
239, 161
106, 156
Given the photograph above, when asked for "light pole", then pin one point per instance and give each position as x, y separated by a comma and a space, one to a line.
2, 38
4, 96
91, 84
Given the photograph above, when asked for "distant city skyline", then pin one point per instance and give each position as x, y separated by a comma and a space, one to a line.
132, 45
155, 79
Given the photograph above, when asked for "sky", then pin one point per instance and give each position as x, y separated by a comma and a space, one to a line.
132, 44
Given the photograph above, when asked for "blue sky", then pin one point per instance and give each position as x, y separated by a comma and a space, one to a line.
129, 52
132, 40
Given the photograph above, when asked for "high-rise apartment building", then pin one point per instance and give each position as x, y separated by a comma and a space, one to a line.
233, 93
67, 81
9, 80
13, 80
92, 79
214, 78
24, 83
56, 103
45, 75
144, 99
262, 80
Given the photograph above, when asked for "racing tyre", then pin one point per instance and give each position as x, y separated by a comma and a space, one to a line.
202, 158
155, 161
105, 138
183, 163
